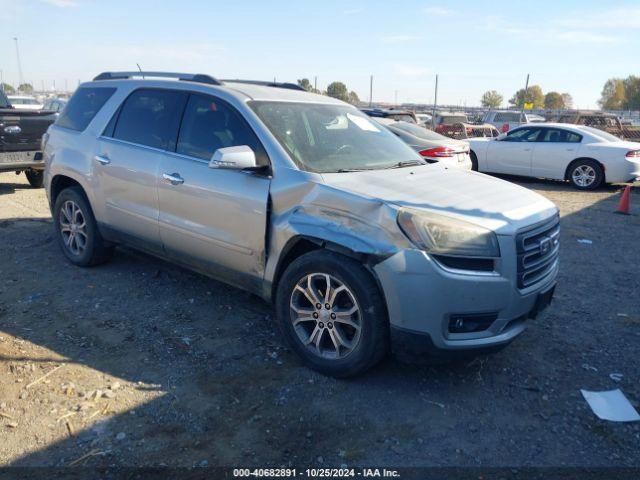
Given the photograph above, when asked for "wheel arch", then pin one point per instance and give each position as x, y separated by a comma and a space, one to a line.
299, 245
60, 182
575, 160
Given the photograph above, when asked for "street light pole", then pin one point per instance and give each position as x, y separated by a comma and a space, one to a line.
20, 79
524, 100
435, 102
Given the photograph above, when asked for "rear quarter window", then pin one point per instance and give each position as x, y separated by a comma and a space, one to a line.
83, 107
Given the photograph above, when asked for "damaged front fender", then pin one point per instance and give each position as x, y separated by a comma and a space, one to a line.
331, 218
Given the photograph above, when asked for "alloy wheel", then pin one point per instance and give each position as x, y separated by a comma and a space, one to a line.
325, 316
73, 228
584, 175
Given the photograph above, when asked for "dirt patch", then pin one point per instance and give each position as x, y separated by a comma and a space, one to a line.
157, 365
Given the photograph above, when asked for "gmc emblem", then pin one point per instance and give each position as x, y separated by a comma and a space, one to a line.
545, 245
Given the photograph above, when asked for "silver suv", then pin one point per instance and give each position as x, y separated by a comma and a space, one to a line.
306, 202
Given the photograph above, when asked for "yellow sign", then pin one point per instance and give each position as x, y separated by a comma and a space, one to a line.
528, 106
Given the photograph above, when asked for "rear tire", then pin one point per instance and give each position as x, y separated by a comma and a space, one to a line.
474, 161
585, 174
77, 231
344, 331
35, 178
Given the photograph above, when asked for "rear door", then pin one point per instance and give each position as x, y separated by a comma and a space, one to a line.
127, 162
214, 219
555, 149
512, 154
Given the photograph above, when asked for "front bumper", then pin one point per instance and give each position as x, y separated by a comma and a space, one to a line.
422, 298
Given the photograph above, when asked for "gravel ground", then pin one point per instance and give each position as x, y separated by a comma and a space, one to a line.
140, 363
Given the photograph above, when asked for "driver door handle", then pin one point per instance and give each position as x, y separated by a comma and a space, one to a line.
102, 159
173, 178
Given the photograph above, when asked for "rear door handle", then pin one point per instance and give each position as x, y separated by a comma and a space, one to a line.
103, 160
173, 178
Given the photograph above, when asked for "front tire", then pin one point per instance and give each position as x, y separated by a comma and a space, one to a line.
585, 174
77, 231
332, 313
35, 178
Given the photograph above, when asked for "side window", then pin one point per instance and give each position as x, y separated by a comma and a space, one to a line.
150, 117
522, 135
209, 123
556, 135
83, 107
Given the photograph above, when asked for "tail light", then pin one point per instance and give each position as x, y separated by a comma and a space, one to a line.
437, 152
633, 154
505, 128
469, 131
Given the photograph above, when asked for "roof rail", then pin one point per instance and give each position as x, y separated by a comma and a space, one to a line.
189, 77
290, 86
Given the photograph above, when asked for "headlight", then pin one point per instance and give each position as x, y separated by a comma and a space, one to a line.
447, 236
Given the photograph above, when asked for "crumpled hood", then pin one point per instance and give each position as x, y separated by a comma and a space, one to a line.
481, 199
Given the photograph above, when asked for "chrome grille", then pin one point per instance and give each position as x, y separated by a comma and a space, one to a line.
538, 249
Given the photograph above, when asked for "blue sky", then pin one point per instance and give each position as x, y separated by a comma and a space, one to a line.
569, 46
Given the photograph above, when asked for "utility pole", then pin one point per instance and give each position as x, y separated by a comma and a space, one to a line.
524, 100
435, 102
15, 39
315, 83
395, 103
1, 80
371, 91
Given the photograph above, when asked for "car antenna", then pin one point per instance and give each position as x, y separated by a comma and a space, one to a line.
139, 69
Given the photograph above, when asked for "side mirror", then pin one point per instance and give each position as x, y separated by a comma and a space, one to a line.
234, 158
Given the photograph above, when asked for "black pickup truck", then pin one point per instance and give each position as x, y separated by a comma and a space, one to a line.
20, 136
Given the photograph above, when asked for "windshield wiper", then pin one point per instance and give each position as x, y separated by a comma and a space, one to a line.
347, 170
409, 163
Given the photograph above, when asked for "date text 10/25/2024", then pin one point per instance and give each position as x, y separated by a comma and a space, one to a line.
315, 473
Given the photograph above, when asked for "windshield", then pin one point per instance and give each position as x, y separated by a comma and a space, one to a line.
332, 138
602, 134
418, 131
402, 117
24, 101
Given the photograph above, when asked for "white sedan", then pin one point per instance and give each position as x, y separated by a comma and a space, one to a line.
585, 156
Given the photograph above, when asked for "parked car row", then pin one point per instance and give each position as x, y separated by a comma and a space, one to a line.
361, 244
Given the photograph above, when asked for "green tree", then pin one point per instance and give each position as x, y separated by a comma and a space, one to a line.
305, 83
491, 99
353, 98
553, 101
632, 93
534, 95
6, 88
338, 90
25, 88
567, 100
613, 96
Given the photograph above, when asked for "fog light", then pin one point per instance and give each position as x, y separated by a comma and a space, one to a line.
468, 323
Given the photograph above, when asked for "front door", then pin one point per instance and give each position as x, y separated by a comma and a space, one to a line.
512, 154
214, 219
